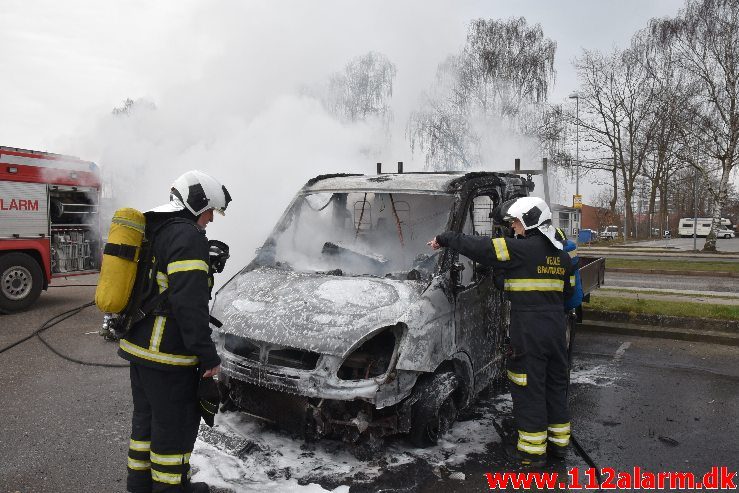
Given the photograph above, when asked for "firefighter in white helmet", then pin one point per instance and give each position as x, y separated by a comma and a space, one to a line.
171, 352
538, 277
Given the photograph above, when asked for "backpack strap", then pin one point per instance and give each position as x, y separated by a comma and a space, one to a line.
158, 301
127, 252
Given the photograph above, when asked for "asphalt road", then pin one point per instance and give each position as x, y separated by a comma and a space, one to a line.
659, 404
65, 426
722, 244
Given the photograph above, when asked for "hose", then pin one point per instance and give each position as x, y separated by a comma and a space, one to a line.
56, 319
582, 453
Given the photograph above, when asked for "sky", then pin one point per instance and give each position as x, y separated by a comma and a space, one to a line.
224, 85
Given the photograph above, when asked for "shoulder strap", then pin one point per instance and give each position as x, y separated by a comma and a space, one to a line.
160, 227
159, 299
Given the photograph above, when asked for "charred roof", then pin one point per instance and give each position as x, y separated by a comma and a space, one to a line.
431, 182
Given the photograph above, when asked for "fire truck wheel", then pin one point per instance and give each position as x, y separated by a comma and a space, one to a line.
20, 281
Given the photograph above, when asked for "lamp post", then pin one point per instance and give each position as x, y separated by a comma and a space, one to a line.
576, 97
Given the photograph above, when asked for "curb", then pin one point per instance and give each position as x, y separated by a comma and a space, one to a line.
691, 273
682, 334
664, 322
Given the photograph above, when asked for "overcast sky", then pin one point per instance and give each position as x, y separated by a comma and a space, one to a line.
226, 79
65, 63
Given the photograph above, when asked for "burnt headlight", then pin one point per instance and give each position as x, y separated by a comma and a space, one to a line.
373, 358
241, 346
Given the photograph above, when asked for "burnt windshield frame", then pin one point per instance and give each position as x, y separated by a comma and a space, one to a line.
267, 254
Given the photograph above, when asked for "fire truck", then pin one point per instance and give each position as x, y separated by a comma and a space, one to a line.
49, 224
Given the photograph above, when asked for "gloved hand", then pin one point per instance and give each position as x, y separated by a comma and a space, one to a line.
209, 397
218, 252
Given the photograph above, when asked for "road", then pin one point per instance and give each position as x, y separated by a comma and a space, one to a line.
659, 404
722, 244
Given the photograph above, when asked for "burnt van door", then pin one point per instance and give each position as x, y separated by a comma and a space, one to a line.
477, 301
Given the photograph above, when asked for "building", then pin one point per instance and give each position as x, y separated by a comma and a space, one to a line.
567, 219
597, 218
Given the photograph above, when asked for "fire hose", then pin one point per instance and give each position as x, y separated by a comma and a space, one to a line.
56, 319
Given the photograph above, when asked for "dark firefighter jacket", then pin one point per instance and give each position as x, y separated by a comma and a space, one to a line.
538, 276
177, 336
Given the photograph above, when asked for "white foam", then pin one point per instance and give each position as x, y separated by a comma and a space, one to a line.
242, 455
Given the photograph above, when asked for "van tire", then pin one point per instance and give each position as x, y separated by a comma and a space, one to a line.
435, 410
21, 281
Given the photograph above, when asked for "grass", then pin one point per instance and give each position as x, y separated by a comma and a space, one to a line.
672, 264
658, 307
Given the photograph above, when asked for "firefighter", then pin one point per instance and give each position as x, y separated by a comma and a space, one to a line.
538, 278
170, 350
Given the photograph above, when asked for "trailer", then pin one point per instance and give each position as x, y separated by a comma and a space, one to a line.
49, 222
688, 227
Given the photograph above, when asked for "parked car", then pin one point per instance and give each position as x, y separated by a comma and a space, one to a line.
347, 325
724, 232
609, 233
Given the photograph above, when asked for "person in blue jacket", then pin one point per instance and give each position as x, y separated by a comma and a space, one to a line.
574, 301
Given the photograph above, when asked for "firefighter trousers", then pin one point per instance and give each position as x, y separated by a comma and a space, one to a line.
164, 427
538, 371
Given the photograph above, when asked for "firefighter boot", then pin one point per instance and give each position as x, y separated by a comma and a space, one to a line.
524, 459
557, 452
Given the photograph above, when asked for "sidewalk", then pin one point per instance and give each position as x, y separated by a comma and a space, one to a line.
725, 337
628, 251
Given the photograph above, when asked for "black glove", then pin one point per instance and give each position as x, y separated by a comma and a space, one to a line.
218, 252
209, 398
444, 238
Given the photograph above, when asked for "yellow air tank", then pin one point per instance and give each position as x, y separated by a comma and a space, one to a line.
120, 260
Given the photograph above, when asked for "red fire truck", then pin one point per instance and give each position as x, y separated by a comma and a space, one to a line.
49, 223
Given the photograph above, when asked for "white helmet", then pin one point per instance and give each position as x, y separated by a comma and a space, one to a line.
197, 192
533, 212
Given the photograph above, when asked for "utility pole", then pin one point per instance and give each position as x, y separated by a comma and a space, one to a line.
695, 210
576, 97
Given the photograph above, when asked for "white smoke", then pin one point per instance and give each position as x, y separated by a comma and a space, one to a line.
222, 93
218, 88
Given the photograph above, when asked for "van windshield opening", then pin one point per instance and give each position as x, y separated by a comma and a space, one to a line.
359, 233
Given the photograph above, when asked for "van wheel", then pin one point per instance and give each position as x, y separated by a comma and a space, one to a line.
20, 282
435, 410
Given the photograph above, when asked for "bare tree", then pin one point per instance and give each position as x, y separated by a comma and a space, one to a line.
129, 106
500, 80
705, 38
617, 98
363, 89
671, 102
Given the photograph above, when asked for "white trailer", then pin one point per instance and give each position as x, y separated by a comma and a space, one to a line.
687, 227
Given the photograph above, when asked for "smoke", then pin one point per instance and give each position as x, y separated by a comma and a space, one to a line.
219, 88
222, 93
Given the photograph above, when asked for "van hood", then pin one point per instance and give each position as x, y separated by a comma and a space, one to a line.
315, 312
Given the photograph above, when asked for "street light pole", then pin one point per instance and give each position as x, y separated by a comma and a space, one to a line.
576, 97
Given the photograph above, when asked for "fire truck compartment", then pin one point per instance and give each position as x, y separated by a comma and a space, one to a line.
74, 229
